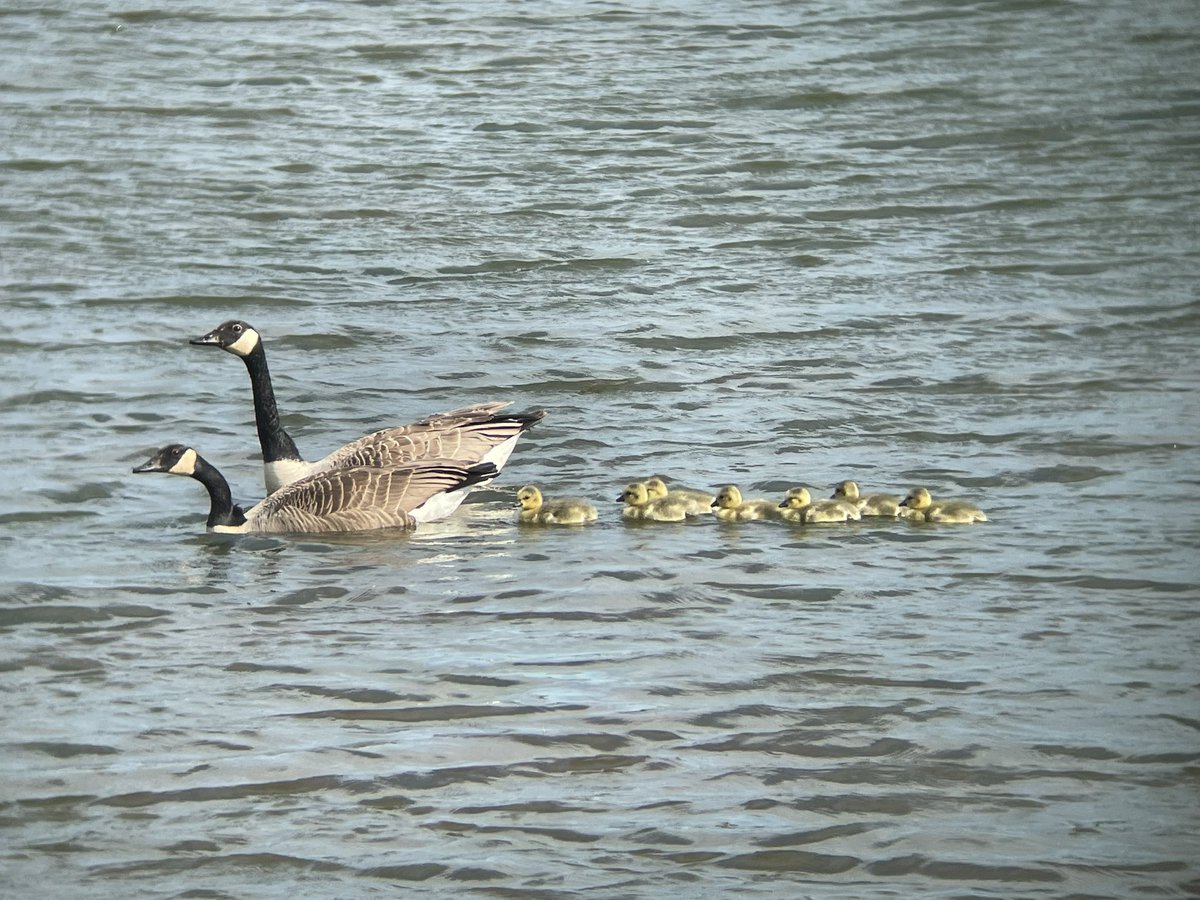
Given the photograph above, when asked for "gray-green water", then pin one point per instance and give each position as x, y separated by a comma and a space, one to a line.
767, 243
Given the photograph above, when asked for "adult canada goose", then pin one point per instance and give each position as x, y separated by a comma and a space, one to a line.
536, 510
922, 506
360, 498
639, 505
698, 502
799, 506
868, 504
730, 507
475, 433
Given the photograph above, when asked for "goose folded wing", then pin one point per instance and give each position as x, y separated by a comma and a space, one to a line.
466, 433
358, 499
452, 418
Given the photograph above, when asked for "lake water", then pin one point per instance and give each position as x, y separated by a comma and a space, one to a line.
916, 243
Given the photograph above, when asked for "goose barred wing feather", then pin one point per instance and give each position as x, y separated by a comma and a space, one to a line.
362, 498
463, 434
474, 411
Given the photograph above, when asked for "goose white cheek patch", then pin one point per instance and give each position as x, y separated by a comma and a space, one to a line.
244, 345
186, 464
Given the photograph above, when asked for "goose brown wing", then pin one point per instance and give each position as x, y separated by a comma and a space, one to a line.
463, 434
361, 498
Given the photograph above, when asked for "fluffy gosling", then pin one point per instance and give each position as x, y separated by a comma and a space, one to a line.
730, 507
640, 506
699, 502
868, 504
798, 506
536, 510
921, 506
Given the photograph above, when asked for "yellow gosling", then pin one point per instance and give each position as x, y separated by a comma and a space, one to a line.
699, 502
536, 510
952, 512
794, 503
730, 507
798, 506
868, 504
640, 506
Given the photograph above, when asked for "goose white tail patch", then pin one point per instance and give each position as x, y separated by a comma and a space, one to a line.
439, 505
501, 452
186, 464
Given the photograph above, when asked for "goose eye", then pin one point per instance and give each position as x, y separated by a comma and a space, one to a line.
237, 328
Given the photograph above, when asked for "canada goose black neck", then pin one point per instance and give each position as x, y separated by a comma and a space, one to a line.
222, 510
179, 459
276, 443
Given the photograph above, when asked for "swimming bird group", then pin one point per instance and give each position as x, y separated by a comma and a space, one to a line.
401, 476
394, 478
653, 501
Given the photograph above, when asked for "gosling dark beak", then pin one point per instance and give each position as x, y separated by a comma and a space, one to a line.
206, 340
783, 505
621, 499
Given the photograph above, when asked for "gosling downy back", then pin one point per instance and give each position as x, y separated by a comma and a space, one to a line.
361, 498
479, 433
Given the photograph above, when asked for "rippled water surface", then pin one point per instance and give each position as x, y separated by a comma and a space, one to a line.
767, 244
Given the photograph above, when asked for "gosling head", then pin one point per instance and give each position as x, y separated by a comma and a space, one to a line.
918, 498
635, 494
846, 490
796, 498
656, 488
727, 497
529, 498
174, 459
234, 336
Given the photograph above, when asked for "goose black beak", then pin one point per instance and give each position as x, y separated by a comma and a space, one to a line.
150, 465
206, 340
